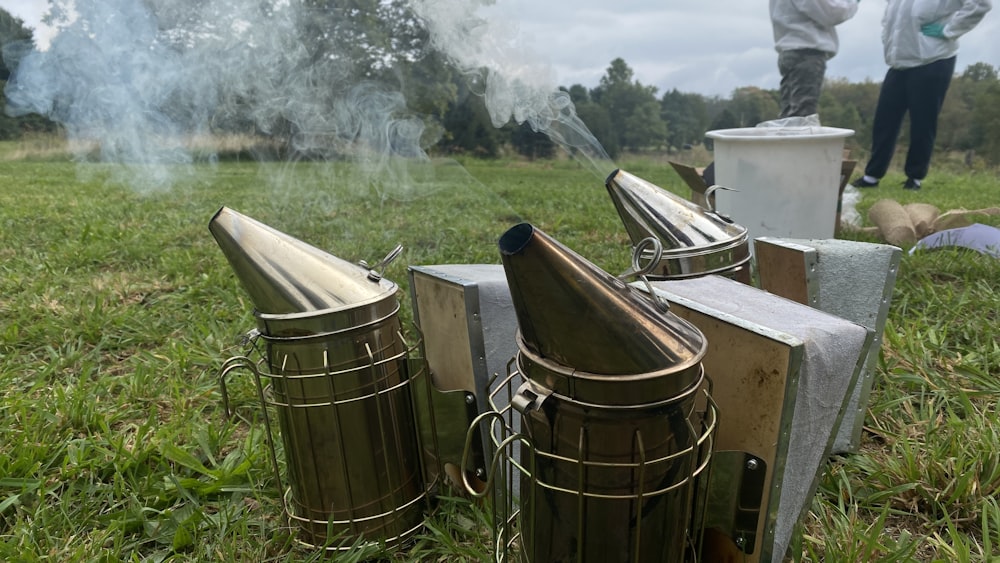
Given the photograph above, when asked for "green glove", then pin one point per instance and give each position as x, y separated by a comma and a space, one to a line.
933, 30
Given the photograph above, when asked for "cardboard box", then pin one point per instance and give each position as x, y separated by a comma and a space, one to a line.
695, 179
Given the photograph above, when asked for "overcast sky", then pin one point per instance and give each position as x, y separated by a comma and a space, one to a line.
705, 46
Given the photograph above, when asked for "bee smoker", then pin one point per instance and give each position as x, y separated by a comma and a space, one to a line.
695, 241
330, 361
604, 422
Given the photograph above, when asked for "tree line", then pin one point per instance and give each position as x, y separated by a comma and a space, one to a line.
15, 40
386, 44
628, 116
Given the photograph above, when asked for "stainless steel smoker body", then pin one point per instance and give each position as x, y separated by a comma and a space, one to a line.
604, 422
331, 364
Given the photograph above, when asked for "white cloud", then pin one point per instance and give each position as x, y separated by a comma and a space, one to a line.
708, 47
32, 12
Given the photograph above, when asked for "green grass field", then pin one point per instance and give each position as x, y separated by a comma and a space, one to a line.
117, 309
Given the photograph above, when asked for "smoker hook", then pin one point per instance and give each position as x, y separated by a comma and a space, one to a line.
249, 338
639, 271
710, 200
230, 365
381, 264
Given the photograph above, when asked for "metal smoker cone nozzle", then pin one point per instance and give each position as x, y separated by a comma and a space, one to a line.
696, 241
608, 397
284, 275
337, 379
574, 314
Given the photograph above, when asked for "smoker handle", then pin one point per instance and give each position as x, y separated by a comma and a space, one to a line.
637, 270
248, 340
243, 362
376, 276
509, 437
710, 200
231, 365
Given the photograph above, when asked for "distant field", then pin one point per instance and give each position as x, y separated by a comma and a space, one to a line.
117, 309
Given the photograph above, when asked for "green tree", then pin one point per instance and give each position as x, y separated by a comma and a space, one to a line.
469, 129
643, 126
596, 118
686, 116
632, 107
959, 126
371, 37
385, 42
834, 113
430, 86
856, 109
726, 119
320, 52
578, 94
980, 72
986, 122
530, 143
15, 41
955, 119
752, 105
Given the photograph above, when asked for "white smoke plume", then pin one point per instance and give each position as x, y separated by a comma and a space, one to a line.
138, 79
106, 77
519, 85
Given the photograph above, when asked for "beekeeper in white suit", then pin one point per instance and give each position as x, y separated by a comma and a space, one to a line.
805, 38
921, 43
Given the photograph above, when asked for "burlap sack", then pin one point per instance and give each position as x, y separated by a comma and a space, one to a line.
922, 215
893, 222
957, 218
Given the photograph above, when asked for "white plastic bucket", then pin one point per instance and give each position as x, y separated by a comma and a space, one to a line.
787, 179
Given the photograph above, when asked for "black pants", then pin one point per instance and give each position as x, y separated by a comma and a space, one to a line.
919, 91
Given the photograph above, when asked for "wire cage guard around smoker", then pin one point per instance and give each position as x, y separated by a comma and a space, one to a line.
600, 431
355, 467
331, 365
630, 489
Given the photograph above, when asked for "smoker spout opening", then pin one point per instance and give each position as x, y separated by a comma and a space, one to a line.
515, 239
611, 176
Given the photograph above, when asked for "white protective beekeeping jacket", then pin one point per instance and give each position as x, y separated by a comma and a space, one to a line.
906, 47
809, 24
